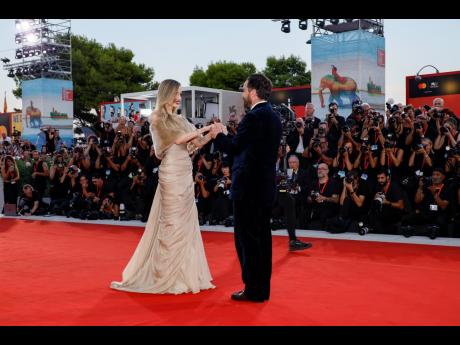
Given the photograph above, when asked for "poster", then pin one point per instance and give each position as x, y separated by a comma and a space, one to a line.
47, 102
348, 66
444, 85
111, 111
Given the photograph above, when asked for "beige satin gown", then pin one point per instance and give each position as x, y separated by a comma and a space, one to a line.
170, 257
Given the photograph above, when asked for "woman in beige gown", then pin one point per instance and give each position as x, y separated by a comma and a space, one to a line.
170, 257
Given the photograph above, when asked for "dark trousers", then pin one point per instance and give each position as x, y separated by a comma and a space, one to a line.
287, 206
253, 241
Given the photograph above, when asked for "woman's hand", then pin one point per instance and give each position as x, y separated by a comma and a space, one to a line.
205, 129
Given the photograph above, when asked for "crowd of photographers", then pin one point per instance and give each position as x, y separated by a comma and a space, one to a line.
395, 173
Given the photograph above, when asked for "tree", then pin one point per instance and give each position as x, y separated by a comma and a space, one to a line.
222, 75
100, 73
289, 71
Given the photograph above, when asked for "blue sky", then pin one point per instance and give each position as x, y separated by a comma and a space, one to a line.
174, 47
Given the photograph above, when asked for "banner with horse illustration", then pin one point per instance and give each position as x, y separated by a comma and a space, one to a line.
348, 66
47, 102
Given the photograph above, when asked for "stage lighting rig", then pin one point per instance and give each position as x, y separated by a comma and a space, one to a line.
42, 43
5, 60
303, 24
286, 26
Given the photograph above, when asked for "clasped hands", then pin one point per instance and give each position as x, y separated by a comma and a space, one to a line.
215, 129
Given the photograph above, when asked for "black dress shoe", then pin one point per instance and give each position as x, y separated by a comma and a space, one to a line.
243, 297
298, 245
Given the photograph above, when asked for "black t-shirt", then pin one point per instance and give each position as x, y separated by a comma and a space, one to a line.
353, 211
327, 189
428, 198
393, 192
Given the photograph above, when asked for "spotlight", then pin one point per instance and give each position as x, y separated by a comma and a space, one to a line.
303, 24
37, 52
18, 39
11, 73
18, 72
286, 26
320, 23
32, 38
334, 21
5, 60
19, 54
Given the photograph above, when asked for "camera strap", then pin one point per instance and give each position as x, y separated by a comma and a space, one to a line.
439, 191
366, 162
387, 188
324, 187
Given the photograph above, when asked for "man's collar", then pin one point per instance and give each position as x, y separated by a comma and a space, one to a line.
258, 104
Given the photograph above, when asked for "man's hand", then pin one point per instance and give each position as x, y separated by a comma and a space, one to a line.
321, 198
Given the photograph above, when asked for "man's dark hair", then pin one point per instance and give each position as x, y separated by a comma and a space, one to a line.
384, 171
261, 84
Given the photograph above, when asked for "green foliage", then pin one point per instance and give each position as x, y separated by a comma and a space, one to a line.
222, 75
285, 72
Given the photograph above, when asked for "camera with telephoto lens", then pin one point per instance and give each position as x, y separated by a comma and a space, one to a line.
74, 169
299, 125
119, 136
377, 203
438, 114
321, 131
427, 181
349, 178
444, 130
363, 229
346, 129
388, 144
358, 109
342, 150
375, 121
316, 142
364, 148
392, 121
417, 125
314, 194
221, 183
309, 123
132, 152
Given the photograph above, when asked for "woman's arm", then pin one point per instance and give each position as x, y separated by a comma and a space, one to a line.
192, 135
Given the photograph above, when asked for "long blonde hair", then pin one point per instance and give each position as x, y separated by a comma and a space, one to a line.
165, 96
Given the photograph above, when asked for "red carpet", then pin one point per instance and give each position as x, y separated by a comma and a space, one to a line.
59, 273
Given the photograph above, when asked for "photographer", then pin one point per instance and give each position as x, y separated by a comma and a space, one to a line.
422, 158
298, 141
30, 203
136, 199
129, 169
107, 134
290, 202
80, 160
344, 160
202, 197
448, 137
221, 202
50, 137
358, 113
366, 162
59, 186
323, 197
373, 128
10, 176
41, 173
353, 206
335, 123
391, 157
432, 200
387, 206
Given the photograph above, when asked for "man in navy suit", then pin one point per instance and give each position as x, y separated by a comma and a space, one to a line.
255, 150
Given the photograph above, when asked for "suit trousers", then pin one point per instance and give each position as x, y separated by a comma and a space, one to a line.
253, 241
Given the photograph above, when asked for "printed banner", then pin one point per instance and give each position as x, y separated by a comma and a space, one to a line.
348, 66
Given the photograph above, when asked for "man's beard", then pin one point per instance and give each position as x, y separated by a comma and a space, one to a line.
247, 103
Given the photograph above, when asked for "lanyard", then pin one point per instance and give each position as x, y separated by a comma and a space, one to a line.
390, 161
387, 188
439, 191
366, 162
324, 187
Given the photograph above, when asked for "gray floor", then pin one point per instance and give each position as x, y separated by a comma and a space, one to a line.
440, 241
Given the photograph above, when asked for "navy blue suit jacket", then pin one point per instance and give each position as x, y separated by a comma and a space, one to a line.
255, 152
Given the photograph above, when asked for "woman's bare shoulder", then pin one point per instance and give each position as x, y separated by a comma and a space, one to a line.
154, 117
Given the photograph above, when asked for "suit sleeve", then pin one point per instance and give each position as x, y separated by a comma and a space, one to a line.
234, 146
